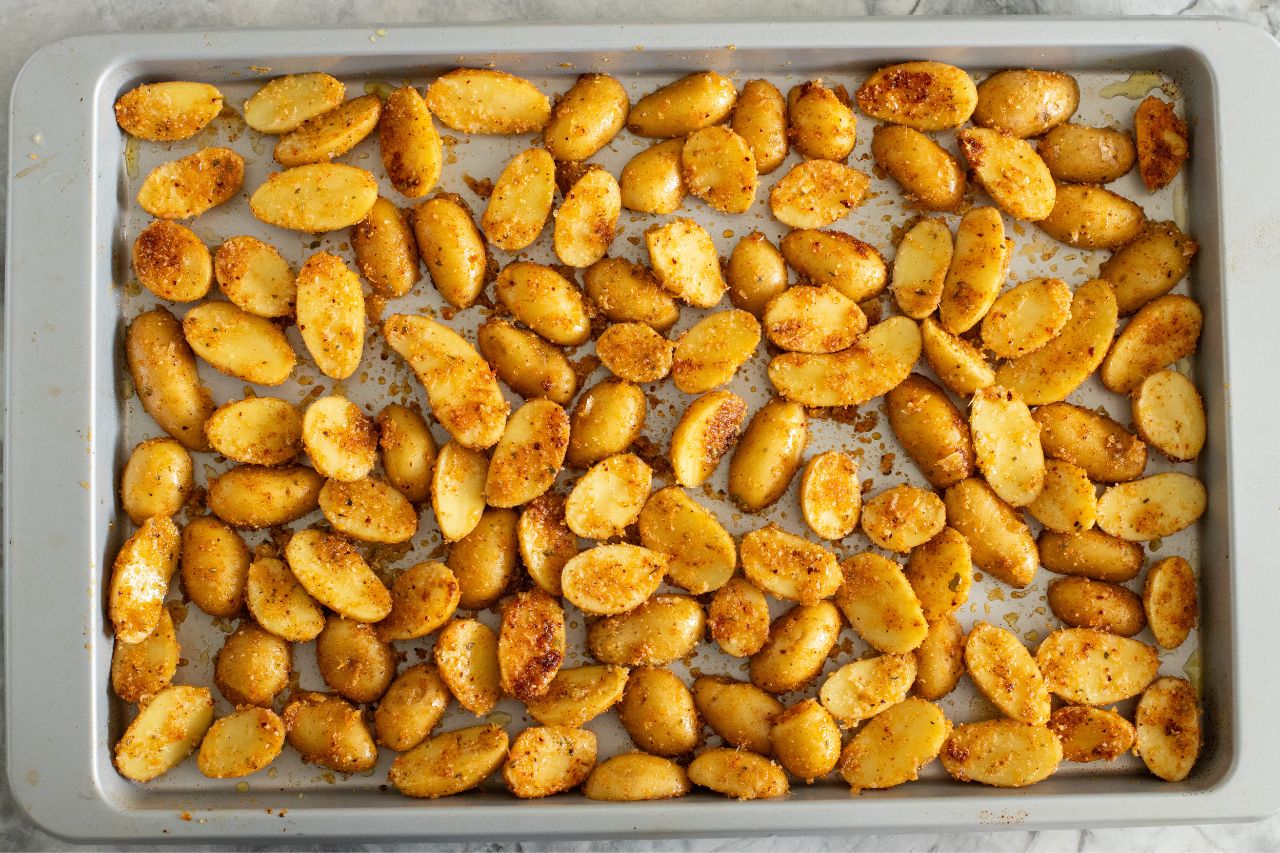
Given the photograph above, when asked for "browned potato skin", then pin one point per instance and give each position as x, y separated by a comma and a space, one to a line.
923, 95
1162, 142
386, 250
1026, 102
301, 483
659, 714
484, 571
1092, 218
147, 112
1087, 155
163, 368
756, 273
597, 429
353, 661
1016, 569
1149, 266
586, 117
252, 666
1090, 554
142, 669
1170, 600
822, 126
530, 644
406, 124
932, 431
213, 582
1179, 720
627, 292
931, 178
768, 454
1111, 454
648, 116
1113, 735
346, 745
172, 262
1084, 603
940, 659
738, 618
760, 118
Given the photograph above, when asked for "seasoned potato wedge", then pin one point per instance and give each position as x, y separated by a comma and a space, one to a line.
788, 566
545, 301
140, 578
609, 497
959, 364
451, 762
712, 350
1026, 317
1168, 728
341, 441
1091, 734
328, 730
880, 604
768, 454
1162, 142
1101, 605
902, 517
254, 276
1090, 554
999, 539
457, 490
186, 188
315, 198
587, 219
482, 100
738, 775
412, 152
157, 479
529, 365
1050, 373
412, 706
806, 740
142, 669
256, 431
546, 543
280, 604
1087, 667
610, 579
165, 732
423, 597
605, 421
739, 618
1006, 442
830, 494
1026, 102
1106, 451
334, 573
371, 510
254, 665
167, 111
629, 293
1170, 601
760, 118
816, 193
579, 695
331, 134
931, 430
892, 748
940, 572
940, 659
651, 182
215, 566
837, 260
353, 661
172, 262
484, 561
1079, 154
719, 167
923, 95
1003, 753
451, 248
756, 273
1149, 265
521, 201
546, 760
1090, 217
460, 385
286, 102
1006, 673
977, 272
740, 712
694, 101
241, 743
821, 125
635, 352
877, 361
704, 433
163, 369
929, 176
1152, 507
408, 451
636, 776
238, 343
252, 496
859, 690
530, 644
386, 250
1068, 502
701, 553
1010, 171
1162, 332
466, 654
813, 320
661, 630
685, 261
920, 268
658, 713
529, 454
586, 117
799, 642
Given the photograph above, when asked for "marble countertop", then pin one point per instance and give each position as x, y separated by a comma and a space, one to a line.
32, 23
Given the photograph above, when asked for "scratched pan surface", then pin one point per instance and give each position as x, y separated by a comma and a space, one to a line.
313, 800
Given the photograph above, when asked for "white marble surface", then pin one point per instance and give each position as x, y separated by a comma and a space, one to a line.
27, 24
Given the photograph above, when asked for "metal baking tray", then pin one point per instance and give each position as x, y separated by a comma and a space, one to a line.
71, 416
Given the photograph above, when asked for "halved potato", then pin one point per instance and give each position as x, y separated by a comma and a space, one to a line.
610, 579
959, 364
694, 101
739, 712
822, 125
354, 661
546, 543
831, 494
254, 276
578, 695
719, 167
586, 117
412, 706
923, 95
140, 578
587, 219
329, 731
457, 489
1006, 673
450, 763
334, 573
931, 430
215, 566
241, 743
238, 343
331, 134
386, 250
739, 618
315, 198
940, 572
712, 350
626, 292
806, 740
1026, 101
1162, 142
738, 775
1163, 331
902, 517
977, 272
1091, 734
609, 497
1153, 507
756, 273
423, 597
546, 760
862, 689
172, 262
1003, 753
167, 111
1090, 554
286, 102
186, 188
1006, 442
530, 644
165, 732
651, 180
768, 454
412, 152
813, 320
280, 604
880, 604
605, 421
1106, 451
702, 554
816, 193
142, 669
521, 200
685, 261
466, 654
1068, 502
1026, 317
254, 496
157, 480
255, 664
999, 539
1170, 601
663, 629
1087, 667
1078, 154
485, 560
760, 118
928, 174
482, 100
452, 248
1092, 218
788, 566
940, 659
408, 451
635, 352
636, 776
837, 260
1010, 171
529, 454
341, 441
1168, 728
529, 365
704, 433
1149, 265
920, 267
798, 646
876, 363
1101, 605
370, 509
892, 748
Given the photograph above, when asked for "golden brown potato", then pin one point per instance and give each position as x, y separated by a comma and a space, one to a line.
879, 359
1078, 154
880, 604
279, 603
1106, 451
636, 776
586, 117
163, 370
651, 181
605, 421
738, 618
167, 111
587, 219
385, 250
529, 454
340, 440
658, 712
286, 102
545, 301
816, 193
609, 579
712, 350
932, 430
371, 510
1003, 753
923, 95
1163, 331
1148, 266
694, 101
940, 659
1153, 507
331, 134
353, 661
521, 201
1006, 673
172, 262
408, 451
999, 539
164, 733
186, 188
423, 597
1026, 102
412, 153
629, 293
1168, 728
1006, 442
902, 517
254, 276
484, 561
238, 343
331, 315
940, 572
788, 566
1170, 601
482, 100
760, 118
920, 267
1068, 502
822, 126
609, 497
449, 763
719, 167
546, 760
806, 740
1026, 317
142, 669
466, 654
1162, 142
140, 577
157, 479
1091, 734
529, 365
546, 542
1087, 667
1090, 554
329, 731
1101, 605
578, 695
215, 566
892, 748
253, 666
334, 574
799, 642
959, 364
530, 644
1092, 218
1010, 171
740, 713
635, 352
859, 690
252, 496
929, 176
738, 775
241, 743
756, 273
315, 198
831, 495
977, 272
768, 454
451, 248
813, 319
412, 706
684, 259
256, 431
701, 553
837, 260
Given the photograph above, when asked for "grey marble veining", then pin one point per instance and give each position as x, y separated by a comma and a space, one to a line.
30, 23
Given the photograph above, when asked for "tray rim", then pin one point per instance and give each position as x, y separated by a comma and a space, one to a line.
68, 796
